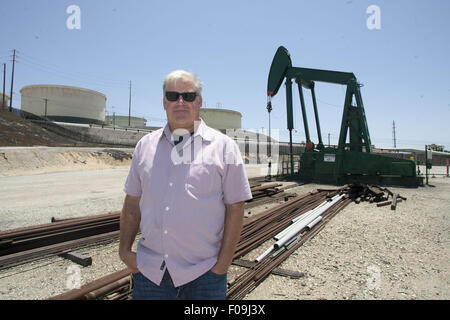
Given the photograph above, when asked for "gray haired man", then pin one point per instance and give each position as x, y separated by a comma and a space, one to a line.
189, 212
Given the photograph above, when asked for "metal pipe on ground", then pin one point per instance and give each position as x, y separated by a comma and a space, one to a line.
250, 279
77, 294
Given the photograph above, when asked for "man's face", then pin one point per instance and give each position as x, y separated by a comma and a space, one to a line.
180, 113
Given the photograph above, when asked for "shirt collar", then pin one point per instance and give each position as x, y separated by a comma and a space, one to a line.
200, 129
203, 130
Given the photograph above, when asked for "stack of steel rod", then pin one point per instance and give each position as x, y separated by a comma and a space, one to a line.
268, 189
265, 225
25, 244
250, 279
372, 193
269, 192
115, 285
256, 230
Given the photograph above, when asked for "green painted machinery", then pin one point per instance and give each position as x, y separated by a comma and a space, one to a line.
353, 160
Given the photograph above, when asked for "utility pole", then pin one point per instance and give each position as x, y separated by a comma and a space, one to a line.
426, 164
393, 134
328, 140
129, 108
113, 116
12, 81
45, 99
4, 82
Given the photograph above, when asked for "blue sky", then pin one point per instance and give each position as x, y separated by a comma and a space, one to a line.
404, 65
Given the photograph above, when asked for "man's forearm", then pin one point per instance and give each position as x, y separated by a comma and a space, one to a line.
231, 235
129, 224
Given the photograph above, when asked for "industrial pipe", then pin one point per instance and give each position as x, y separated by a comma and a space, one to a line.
303, 223
305, 216
314, 222
264, 254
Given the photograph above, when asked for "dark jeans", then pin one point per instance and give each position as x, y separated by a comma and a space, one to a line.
209, 286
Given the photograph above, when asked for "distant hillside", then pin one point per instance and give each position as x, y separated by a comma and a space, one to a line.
16, 131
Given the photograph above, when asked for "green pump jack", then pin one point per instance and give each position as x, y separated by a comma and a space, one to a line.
350, 162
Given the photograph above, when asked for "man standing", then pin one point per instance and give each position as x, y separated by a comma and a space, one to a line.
185, 191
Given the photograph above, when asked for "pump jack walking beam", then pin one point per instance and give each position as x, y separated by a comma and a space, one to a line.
353, 119
351, 160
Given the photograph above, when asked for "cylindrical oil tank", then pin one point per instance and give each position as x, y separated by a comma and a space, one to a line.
4, 106
122, 121
64, 103
221, 118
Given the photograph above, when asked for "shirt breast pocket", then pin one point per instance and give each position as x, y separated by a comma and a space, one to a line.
203, 182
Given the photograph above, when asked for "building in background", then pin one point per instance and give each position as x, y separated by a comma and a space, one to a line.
64, 103
122, 121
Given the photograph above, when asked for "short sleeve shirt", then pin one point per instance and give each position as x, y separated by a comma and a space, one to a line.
184, 192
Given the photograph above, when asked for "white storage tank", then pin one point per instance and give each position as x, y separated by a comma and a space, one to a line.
64, 103
122, 121
221, 118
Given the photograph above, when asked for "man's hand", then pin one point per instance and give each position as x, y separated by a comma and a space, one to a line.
129, 227
219, 269
129, 258
232, 231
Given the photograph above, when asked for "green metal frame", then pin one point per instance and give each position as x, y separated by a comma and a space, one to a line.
350, 162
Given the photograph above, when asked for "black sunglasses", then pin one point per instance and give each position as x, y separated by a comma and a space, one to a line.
187, 96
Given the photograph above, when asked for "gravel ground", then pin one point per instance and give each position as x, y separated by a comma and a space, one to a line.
370, 252
364, 252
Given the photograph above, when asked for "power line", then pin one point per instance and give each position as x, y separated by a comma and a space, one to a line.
4, 82
78, 75
393, 134
129, 108
72, 78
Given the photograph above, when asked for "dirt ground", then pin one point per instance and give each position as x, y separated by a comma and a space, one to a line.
364, 252
370, 252
16, 131
16, 161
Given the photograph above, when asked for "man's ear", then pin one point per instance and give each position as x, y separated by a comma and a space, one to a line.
200, 101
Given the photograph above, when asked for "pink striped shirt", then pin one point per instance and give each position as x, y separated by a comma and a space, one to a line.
183, 197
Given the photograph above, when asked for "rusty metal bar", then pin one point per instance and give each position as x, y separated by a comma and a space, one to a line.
77, 294
394, 201
256, 230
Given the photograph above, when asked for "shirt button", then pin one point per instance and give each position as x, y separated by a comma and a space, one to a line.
167, 208
170, 184
166, 256
165, 231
